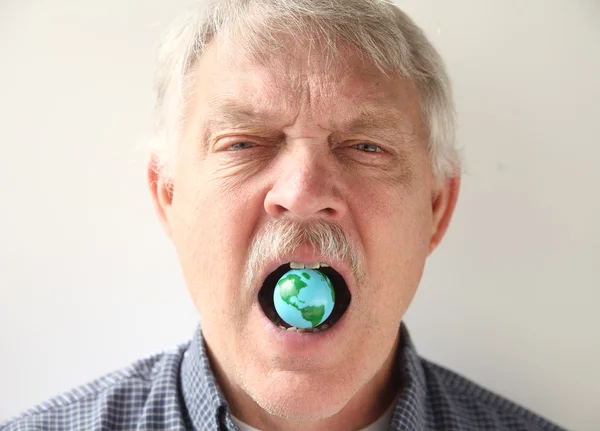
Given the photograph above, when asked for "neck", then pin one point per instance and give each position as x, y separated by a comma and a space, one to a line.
365, 407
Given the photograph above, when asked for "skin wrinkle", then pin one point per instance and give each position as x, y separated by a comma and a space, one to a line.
229, 114
296, 78
256, 32
370, 127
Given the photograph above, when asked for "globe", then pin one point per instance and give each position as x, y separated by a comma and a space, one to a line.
304, 298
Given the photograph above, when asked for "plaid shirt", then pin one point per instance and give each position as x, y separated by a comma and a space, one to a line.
176, 390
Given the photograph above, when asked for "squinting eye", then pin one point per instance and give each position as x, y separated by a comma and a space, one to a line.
240, 146
368, 148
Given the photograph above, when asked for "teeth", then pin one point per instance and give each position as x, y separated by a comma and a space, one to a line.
303, 330
313, 265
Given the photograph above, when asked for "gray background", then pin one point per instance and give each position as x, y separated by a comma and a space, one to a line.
89, 283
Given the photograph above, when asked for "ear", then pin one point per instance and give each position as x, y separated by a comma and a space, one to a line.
443, 203
161, 189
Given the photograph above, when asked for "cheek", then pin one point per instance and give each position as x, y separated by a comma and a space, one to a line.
394, 225
394, 218
213, 225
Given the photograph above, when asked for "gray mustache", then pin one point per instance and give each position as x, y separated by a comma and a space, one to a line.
281, 237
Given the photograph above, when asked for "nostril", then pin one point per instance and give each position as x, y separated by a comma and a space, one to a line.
329, 212
334, 213
303, 203
280, 209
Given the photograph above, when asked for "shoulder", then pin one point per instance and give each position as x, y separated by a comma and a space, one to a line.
458, 403
118, 400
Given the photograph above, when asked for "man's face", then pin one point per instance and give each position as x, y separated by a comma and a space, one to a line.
301, 142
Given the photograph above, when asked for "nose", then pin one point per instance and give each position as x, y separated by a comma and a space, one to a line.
306, 187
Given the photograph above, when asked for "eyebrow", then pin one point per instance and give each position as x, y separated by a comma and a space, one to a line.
376, 119
235, 114
386, 123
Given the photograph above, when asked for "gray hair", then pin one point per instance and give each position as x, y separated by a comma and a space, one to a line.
377, 29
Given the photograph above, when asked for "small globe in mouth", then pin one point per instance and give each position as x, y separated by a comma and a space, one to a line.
342, 298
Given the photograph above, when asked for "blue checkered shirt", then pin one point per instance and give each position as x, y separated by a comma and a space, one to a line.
176, 390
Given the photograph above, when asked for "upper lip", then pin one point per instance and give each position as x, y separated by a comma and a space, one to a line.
305, 255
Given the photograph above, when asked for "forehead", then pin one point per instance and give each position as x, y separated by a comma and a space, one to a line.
333, 93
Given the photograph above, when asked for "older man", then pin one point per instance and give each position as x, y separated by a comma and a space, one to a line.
297, 137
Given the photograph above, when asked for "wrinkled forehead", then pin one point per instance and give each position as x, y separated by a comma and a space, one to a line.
295, 76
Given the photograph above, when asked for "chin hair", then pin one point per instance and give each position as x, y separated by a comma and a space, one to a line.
290, 410
287, 406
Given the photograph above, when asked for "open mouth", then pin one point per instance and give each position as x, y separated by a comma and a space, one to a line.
342, 298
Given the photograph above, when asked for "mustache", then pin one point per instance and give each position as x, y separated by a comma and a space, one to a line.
281, 237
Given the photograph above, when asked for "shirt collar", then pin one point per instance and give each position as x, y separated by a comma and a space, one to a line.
409, 413
207, 408
204, 402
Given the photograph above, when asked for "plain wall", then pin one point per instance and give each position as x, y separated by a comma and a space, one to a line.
89, 283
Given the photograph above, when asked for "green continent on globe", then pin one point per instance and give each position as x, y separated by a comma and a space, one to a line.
290, 287
313, 314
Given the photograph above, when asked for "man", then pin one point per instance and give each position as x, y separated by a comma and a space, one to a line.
305, 135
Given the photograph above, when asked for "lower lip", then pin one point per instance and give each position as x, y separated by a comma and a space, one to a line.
301, 343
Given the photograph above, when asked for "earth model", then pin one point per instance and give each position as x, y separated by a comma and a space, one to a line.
304, 298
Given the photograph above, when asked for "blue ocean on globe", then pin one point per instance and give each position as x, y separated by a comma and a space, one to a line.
304, 298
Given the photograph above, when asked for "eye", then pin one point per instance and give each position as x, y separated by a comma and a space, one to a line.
240, 146
368, 148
